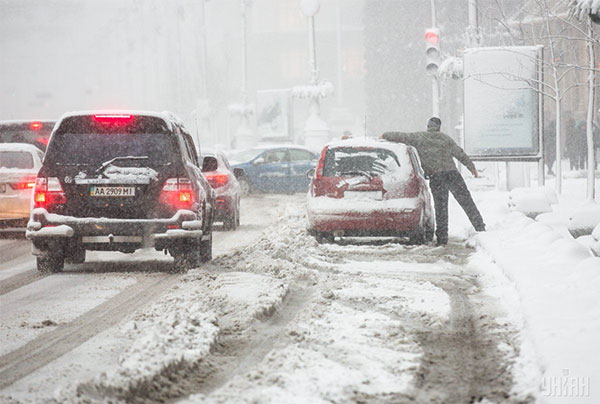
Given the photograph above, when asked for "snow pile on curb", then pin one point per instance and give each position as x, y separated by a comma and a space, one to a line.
532, 201
558, 282
583, 220
272, 255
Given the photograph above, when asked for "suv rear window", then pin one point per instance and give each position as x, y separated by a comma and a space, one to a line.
359, 160
85, 142
16, 159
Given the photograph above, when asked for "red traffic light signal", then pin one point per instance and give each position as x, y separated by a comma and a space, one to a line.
432, 35
432, 51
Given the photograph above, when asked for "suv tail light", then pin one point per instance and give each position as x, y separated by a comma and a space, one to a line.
48, 192
23, 185
217, 180
178, 193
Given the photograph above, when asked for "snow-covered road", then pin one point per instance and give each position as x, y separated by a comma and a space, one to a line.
275, 317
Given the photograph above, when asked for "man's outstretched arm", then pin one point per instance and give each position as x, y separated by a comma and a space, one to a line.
401, 137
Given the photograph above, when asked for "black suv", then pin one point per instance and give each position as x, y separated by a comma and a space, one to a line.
119, 182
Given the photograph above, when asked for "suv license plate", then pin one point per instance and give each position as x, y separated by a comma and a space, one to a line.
112, 191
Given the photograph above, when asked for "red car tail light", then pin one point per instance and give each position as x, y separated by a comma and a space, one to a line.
178, 193
23, 185
217, 180
320, 165
48, 192
35, 125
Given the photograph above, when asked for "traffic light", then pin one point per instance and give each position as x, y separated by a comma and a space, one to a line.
432, 51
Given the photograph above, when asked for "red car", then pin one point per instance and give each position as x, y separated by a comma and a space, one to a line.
217, 171
369, 188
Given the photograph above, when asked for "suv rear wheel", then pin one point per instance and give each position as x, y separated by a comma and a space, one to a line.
231, 222
186, 257
50, 264
206, 249
75, 256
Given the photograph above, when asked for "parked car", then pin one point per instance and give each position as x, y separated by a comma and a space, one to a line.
120, 181
217, 171
273, 168
19, 165
369, 188
36, 133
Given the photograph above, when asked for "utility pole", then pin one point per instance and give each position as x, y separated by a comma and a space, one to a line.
244, 137
435, 84
473, 33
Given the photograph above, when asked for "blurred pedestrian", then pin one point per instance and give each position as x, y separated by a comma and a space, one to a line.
549, 136
569, 146
581, 144
436, 151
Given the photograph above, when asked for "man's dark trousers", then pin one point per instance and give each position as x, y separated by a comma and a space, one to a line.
442, 182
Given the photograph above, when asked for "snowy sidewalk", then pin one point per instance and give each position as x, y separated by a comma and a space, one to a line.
558, 281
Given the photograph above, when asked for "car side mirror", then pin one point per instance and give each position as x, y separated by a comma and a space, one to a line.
238, 173
310, 173
209, 164
260, 160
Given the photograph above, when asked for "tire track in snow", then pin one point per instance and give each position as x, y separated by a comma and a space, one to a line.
19, 280
13, 250
50, 346
462, 362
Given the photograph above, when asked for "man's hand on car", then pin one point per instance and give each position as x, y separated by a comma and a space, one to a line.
474, 172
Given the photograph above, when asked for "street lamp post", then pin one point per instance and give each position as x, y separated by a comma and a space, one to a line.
316, 131
244, 136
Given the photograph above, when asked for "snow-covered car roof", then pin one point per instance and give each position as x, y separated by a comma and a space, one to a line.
166, 116
369, 142
19, 147
25, 121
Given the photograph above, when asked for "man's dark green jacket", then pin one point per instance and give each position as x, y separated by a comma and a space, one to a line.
436, 150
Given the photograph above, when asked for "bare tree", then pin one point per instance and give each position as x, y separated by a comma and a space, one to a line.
582, 9
542, 22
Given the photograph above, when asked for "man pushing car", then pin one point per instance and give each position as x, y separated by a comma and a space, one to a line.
436, 151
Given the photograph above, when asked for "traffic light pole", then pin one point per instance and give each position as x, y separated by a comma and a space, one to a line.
435, 96
435, 84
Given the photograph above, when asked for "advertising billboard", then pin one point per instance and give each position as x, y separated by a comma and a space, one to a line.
502, 103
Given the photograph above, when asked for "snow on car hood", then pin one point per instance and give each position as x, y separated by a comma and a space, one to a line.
119, 175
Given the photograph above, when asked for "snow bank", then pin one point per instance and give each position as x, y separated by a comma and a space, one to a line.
558, 280
532, 201
584, 219
181, 329
173, 332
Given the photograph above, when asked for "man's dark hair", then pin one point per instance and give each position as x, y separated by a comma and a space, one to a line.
434, 123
